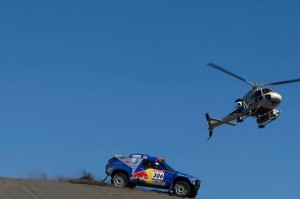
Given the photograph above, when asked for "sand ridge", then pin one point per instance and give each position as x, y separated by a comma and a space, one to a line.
41, 189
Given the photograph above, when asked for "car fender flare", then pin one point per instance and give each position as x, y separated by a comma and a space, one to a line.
180, 178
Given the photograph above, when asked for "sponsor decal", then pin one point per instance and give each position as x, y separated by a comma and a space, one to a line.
127, 161
136, 156
159, 183
134, 161
158, 175
141, 175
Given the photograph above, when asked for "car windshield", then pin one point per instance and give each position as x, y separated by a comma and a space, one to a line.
166, 166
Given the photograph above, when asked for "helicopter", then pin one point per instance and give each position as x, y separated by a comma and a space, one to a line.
260, 103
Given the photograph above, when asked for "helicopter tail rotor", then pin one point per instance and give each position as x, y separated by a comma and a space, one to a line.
214, 122
210, 125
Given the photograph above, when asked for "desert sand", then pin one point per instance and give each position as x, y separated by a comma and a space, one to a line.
40, 189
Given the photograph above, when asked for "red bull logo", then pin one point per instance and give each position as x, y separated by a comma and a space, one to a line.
141, 175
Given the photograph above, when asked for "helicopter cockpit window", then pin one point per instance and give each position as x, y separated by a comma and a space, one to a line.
266, 90
257, 93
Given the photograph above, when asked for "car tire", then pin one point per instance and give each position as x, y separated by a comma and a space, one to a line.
119, 180
181, 189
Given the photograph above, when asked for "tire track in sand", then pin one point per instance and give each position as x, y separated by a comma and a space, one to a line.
27, 189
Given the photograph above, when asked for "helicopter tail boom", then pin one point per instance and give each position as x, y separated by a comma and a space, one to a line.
222, 121
214, 122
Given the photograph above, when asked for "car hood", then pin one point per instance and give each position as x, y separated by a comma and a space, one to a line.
186, 175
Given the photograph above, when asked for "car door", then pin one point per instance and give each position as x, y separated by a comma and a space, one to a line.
167, 177
151, 174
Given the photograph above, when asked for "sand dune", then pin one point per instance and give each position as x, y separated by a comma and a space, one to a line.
39, 189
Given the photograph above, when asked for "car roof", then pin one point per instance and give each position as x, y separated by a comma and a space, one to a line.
148, 157
141, 156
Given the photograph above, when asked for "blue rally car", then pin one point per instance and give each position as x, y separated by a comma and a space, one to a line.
144, 170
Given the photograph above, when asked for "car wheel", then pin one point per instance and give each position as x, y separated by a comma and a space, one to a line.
119, 180
182, 189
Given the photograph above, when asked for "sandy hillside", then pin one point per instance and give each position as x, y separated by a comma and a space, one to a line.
38, 189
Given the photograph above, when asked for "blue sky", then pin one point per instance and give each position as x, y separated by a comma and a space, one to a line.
81, 81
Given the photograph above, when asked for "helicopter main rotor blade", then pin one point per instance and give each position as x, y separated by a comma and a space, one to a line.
283, 82
229, 73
